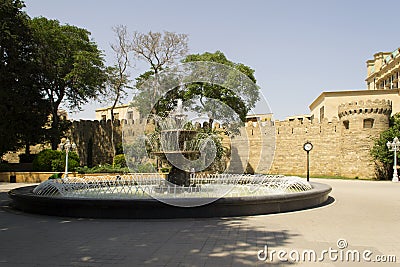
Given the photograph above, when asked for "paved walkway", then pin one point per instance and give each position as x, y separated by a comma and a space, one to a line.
365, 214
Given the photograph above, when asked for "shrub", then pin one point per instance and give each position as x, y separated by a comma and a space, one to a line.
120, 160
56, 176
106, 168
383, 157
119, 149
145, 168
58, 165
44, 159
54, 160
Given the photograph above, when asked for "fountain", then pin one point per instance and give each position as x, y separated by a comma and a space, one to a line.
184, 193
176, 141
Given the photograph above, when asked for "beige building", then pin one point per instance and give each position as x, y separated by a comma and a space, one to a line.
382, 83
384, 70
259, 117
129, 113
121, 112
326, 104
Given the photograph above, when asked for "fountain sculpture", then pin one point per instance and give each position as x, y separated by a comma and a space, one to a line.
184, 193
177, 141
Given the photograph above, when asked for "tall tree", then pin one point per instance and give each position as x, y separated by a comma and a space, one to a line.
117, 75
210, 95
22, 105
71, 68
159, 50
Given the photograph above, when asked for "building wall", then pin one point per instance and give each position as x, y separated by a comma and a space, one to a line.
331, 100
384, 70
121, 112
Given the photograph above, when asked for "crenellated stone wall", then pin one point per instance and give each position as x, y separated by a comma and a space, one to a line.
341, 146
93, 140
357, 138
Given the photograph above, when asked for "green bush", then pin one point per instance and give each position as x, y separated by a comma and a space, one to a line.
56, 176
120, 160
106, 168
145, 168
119, 149
54, 160
58, 165
44, 159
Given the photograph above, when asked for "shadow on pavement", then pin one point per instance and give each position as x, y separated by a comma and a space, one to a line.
53, 241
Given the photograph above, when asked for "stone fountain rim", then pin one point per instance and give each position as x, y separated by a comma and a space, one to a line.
24, 199
179, 130
176, 152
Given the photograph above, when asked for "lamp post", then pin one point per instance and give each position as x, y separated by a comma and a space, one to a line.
394, 146
67, 147
308, 147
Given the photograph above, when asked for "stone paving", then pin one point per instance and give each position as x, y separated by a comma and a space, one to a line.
366, 214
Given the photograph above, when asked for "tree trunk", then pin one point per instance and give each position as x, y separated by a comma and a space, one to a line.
210, 123
55, 133
27, 148
112, 134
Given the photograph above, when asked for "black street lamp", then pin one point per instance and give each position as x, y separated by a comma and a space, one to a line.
308, 147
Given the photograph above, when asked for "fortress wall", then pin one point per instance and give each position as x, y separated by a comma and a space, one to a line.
290, 157
93, 140
341, 147
357, 140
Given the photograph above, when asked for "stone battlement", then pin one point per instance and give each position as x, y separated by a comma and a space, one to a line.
361, 107
341, 146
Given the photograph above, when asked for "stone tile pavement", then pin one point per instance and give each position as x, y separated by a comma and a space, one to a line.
366, 214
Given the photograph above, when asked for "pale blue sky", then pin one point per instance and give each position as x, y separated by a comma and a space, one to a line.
297, 48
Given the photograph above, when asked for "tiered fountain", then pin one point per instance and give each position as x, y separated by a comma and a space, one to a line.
176, 145
183, 194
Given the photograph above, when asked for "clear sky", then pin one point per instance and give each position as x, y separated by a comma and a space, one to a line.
298, 48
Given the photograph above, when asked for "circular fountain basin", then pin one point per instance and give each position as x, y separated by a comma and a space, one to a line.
26, 200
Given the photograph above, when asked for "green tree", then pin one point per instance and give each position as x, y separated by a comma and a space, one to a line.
228, 83
22, 105
154, 95
380, 152
71, 68
209, 95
